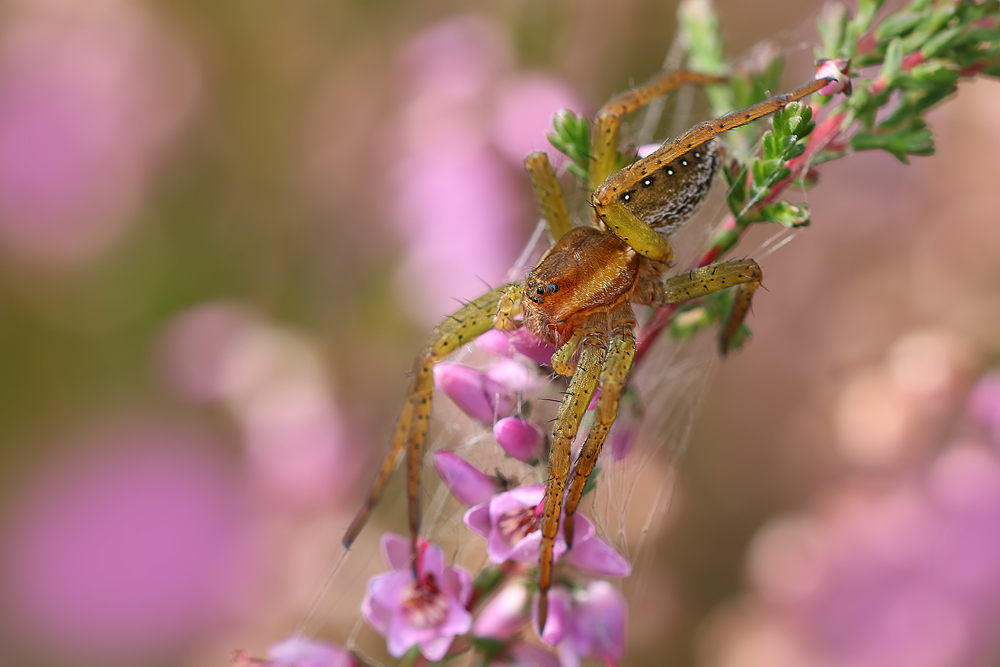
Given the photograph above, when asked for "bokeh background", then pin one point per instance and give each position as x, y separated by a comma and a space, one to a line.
225, 227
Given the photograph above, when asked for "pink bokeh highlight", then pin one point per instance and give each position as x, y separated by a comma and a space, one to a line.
299, 446
124, 550
465, 124
92, 95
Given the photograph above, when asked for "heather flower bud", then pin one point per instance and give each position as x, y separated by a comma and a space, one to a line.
838, 70
476, 394
465, 481
518, 437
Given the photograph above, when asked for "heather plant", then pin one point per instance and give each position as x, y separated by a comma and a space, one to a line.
889, 70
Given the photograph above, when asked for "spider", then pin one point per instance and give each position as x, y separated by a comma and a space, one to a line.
579, 297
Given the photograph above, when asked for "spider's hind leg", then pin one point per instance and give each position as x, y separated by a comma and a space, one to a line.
743, 274
464, 325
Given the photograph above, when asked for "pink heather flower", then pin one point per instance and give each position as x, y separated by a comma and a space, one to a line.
125, 550
496, 342
478, 395
505, 614
525, 655
465, 481
299, 444
511, 522
889, 575
531, 346
519, 437
589, 622
300, 651
514, 375
428, 611
984, 404
455, 201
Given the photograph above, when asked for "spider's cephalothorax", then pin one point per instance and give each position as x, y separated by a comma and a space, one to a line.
580, 295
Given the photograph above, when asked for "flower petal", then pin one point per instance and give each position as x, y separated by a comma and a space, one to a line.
478, 519
597, 557
559, 620
431, 561
466, 482
396, 551
599, 618
532, 347
505, 614
437, 648
495, 342
464, 385
297, 651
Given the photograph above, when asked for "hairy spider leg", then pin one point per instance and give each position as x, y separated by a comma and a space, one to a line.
574, 404
607, 123
609, 199
648, 242
615, 368
467, 323
743, 274
604, 151
549, 194
614, 375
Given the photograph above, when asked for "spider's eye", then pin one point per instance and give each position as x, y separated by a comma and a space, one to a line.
540, 291
552, 288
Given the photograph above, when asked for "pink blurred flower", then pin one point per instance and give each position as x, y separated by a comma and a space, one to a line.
984, 404
457, 205
519, 437
298, 651
589, 622
304, 652
477, 394
891, 576
505, 614
525, 106
125, 550
465, 481
511, 522
91, 96
428, 611
299, 445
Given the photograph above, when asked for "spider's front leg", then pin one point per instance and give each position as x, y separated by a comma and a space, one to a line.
662, 189
464, 325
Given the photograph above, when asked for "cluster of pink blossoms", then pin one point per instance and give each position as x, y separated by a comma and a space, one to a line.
586, 617
442, 610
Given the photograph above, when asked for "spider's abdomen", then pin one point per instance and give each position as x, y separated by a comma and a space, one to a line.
668, 195
586, 271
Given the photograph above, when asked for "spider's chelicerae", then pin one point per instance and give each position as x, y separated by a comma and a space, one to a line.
579, 298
